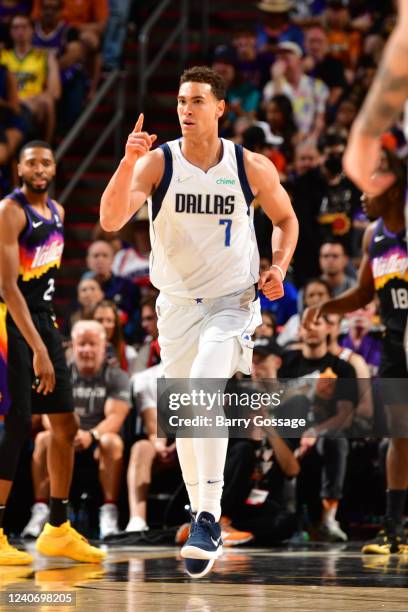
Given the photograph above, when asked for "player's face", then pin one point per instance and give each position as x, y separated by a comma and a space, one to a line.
333, 322
306, 158
50, 11
106, 317
267, 327
149, 321
21, 30
315, 293
37, 169
198, 109
100, 258
88, 348
264, 367
89, 293
316, 334
332, 259
362, 319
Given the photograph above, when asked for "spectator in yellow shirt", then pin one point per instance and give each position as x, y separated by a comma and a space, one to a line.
37, 75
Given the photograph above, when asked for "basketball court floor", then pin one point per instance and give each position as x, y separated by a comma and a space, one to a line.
330, 578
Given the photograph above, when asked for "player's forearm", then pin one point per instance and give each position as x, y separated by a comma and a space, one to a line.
284, 240
19, 312
338, 422
389, 90
115, 208
283, 455
111, 424
350, 300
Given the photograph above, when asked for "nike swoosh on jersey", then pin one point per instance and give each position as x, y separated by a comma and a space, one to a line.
37, 224
379, 238
183, 179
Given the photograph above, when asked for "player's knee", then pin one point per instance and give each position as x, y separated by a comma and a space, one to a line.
64, 427
112, 444
142, 451
42, 440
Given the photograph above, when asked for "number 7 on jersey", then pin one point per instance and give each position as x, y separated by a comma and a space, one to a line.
227, 223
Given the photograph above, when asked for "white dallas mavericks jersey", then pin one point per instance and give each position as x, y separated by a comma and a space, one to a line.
201, 227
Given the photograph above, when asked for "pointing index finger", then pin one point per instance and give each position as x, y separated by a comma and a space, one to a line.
139, 123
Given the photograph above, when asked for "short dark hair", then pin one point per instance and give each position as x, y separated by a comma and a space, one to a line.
22, 15
35, 144
149, 300
335, 242
318, 281
204, 74
398, 167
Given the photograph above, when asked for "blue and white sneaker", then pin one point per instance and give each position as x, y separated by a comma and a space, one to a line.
198, 568
204, 541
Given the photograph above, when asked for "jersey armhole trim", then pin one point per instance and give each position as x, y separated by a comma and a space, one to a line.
18, 197
246, 189
159, 194
378, 226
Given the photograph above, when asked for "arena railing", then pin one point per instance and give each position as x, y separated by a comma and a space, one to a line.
115, 79
145, 67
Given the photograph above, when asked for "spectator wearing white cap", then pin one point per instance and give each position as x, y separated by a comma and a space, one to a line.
308, 95
276, 25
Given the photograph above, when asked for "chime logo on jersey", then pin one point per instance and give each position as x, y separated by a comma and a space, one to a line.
393, 264
204, 204
37, 261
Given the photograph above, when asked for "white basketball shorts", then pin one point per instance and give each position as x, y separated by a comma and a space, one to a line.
185, 325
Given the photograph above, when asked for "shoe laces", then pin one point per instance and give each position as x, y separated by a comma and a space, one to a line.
205, 527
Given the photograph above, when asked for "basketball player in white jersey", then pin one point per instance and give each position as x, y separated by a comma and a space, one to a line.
205, 262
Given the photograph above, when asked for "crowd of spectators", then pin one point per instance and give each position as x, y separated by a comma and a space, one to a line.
53, 54
296, 79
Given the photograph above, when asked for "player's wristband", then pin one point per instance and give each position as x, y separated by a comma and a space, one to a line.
280, 270
95, 435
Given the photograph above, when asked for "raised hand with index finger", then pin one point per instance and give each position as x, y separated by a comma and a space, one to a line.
138, 143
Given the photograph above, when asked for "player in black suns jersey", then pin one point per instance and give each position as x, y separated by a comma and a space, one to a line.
384, 273
34, 378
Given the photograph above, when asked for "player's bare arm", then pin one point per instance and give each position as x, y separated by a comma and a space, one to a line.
380, 110
12, 222
138, 173
265, 184
352, 299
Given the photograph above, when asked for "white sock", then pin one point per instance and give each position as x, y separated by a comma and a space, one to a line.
187, 459
211, 453
214, 360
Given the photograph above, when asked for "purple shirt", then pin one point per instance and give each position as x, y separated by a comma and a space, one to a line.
369, 349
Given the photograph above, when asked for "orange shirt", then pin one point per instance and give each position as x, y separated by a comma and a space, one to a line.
345, 46
79, 12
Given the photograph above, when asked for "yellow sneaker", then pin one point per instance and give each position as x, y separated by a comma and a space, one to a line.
52, 579
10, 555
65, 541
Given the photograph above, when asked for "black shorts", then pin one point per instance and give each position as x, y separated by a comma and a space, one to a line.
393, 375
16, 365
